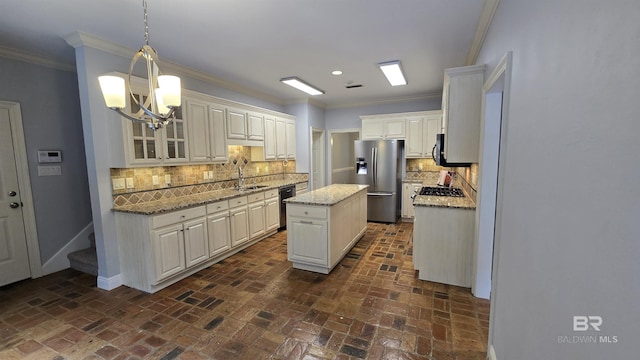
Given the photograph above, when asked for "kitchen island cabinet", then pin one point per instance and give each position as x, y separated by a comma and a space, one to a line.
324, 224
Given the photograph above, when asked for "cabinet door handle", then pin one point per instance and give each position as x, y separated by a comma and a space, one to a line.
306, 222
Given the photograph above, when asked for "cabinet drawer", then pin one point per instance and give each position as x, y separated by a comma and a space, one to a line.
217, 206
271, 193
239, 201
256, 197
177, 216
312, 212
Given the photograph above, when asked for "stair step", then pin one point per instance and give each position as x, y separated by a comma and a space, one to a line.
84, 260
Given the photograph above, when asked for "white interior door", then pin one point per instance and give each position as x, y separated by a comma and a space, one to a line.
14, 257
317, 158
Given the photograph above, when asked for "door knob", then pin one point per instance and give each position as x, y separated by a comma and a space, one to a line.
12, 193
14, 205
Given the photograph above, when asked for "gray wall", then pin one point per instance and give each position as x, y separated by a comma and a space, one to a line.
51, 117
568, 240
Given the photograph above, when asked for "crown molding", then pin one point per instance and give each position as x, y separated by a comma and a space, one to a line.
79, 38
32, 58
488, 11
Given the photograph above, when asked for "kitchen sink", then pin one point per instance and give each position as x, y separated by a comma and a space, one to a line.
251, 187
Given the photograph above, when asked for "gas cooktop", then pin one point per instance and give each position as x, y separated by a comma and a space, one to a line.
441, 191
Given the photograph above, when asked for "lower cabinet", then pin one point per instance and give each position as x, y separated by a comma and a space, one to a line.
319, 236
158, 250
218, 228
239, 221
272, 210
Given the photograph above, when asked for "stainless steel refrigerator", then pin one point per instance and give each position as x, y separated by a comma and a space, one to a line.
381, 165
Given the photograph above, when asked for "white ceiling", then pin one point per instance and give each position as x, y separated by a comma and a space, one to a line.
254, 43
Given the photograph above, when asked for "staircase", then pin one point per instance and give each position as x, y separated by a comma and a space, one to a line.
85, 260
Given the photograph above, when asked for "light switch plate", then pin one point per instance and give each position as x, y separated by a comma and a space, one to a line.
205, 175
211, 175
118, 184
167, 179
155, 180
129, 183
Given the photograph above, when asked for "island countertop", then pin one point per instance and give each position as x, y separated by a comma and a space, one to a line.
328, 195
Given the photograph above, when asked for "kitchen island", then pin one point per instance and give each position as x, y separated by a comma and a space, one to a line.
324, 224
443, 239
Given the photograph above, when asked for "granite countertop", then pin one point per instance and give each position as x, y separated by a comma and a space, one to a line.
444, 201
441, 201
187, 201
328, 195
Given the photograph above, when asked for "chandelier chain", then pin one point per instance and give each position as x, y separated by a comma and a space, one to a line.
146, 25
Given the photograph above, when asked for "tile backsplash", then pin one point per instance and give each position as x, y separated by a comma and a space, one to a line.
195, 174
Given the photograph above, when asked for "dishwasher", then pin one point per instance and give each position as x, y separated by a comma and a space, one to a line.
285, 192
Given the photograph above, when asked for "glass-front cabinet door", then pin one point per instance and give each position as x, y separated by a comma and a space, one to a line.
175, 147
145, 143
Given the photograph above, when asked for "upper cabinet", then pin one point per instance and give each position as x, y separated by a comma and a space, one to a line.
245, 128
422, 128
135, 144
461, 113
203, 127
387, 126
206, 124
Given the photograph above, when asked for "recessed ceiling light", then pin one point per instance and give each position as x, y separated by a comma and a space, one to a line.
301, 85
393, 72
336, 72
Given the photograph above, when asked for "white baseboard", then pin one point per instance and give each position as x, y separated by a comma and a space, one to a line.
59, 260
111, 283
491, 354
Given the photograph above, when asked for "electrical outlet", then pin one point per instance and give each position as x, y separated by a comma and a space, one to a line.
118, 184
257, 170
129, 183
211, 174
205, 175
420, 166
155, 180
167, 179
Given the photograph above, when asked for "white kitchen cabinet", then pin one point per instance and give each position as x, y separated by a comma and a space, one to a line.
135, 144
205, 121
408, 189
245, 127
272, 210
388, 126
270, 138
313, 250
239, 220
443, 244
421, 133
319, 236
178, 241
218, 228
256, 209
168, 251
281, 138
196, 244
461, 113
291, 139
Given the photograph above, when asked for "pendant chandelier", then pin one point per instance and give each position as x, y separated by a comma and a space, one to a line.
158, 108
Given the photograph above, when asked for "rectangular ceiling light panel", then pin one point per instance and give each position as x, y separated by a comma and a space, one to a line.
393, 72
302, 86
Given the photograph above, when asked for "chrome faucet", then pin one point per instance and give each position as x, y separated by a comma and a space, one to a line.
240, 178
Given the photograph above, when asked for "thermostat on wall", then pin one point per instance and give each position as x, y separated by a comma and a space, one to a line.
49, 156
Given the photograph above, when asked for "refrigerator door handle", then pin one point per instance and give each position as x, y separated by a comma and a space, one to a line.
379, 194
373, 165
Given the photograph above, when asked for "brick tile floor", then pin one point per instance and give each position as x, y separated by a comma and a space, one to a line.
254, 305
